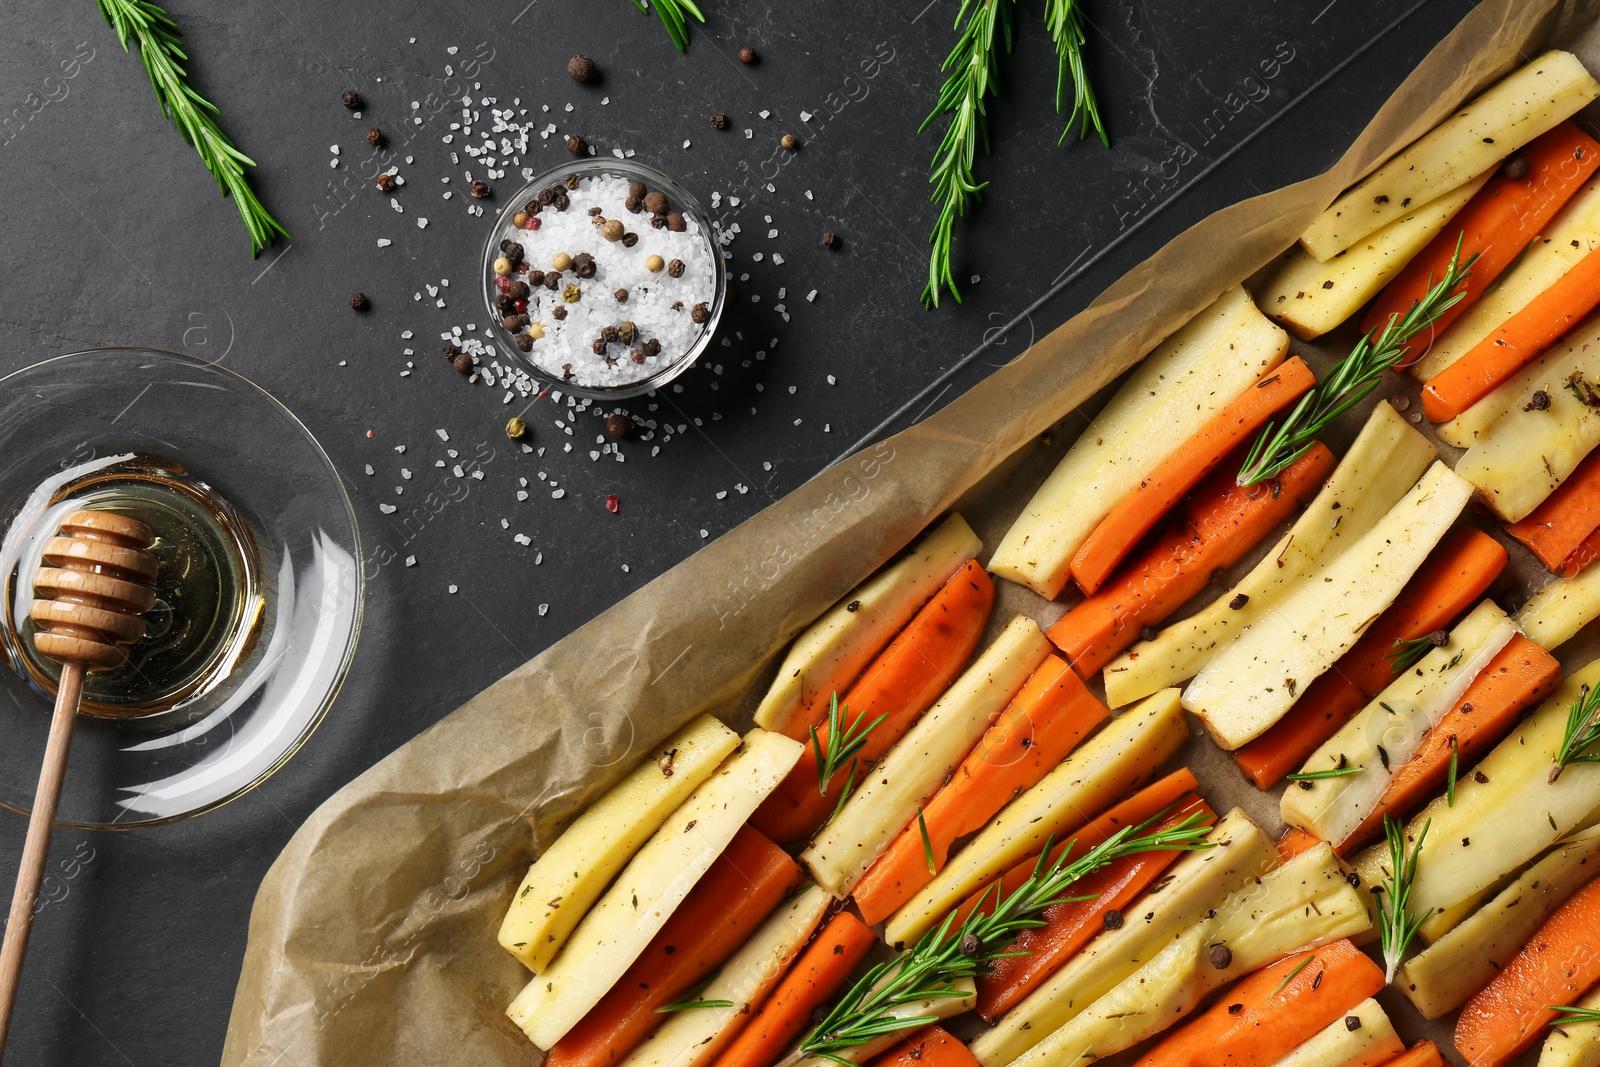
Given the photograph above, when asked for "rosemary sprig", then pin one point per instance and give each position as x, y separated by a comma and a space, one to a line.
145, 25
1396, 925
983, 25
1352, 378
1570, 1016
1581, 742
1064, 19
946, 955
671, 13
1317, 776
844, 741
688, 1001
1403, 655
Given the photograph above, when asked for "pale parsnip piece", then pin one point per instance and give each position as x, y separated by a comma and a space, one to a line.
653, 884
1505, 117
1574, 1044
694, 1038
836, 648
1573, 354
1521, 457
1397, 720
921, 760
1304, 903
1171, 394
939, 1008
1385, 461
1309, 297
1371, 1042
1446, 974
1504, 821
1250, 684
1194, 886
1125, 755
1571, 235
1562, 608
572, 873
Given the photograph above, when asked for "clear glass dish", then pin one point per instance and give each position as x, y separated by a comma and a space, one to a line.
260, 581
681, 200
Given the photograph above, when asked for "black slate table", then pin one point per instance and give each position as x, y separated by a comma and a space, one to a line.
114, 234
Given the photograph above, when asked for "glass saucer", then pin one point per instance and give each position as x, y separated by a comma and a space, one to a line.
259, 587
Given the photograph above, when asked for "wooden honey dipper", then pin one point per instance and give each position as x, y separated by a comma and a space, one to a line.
95, 586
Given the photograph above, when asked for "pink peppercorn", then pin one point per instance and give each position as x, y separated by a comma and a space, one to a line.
531, 224
503, 284
521, 306
613, 505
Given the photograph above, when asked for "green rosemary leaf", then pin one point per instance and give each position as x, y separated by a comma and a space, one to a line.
1569, 1016
145, 25
1403, 655
1292, 975
688, 1002
1450, 777
1317, 776
927, 842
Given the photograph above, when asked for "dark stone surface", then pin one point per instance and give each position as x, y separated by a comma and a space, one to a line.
114, 234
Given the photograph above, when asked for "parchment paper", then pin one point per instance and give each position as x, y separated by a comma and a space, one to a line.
372, 940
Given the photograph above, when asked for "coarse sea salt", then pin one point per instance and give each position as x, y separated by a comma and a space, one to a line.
659, 305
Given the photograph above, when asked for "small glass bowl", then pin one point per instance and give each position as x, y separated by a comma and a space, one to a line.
682, 200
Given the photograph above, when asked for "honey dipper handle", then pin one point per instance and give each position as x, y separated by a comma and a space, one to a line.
19, 924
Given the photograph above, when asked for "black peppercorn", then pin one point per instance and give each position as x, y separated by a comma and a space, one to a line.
518, 291
830, 239
594, 212
512, 250
358, 301
675, 268
675, 222
1239, 601
970, 945
629, 239
719, 121
573, 181
598, 346
633, 204
1221, 957
1113, 919
545, 198
502, 303
536, 277
747, 55
621, 295
558, 313
583, 265
581, 69
700, 313
552, 280
385, 183
561, 202
1539, 401
656, 203
1515, 168
575, 144
374, 137
608, 334
652, 347
350, 99
514, 322
1352, 1023
463, 362
534, 206
637, 189
1148, 633
658, 222
480, 189
524, 342
619, 425
451, 351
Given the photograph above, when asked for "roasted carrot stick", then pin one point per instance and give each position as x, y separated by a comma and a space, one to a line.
1138, 513
1559, 526
1217, 524
1498, 222
902, 683
1422, 1054
929, 1047
1268, 1014
731, 899
1070, 925
1147, 803
1045, 721
1560, 964
819, 971
1519, 676
1581, 556
1295, 841
1515, 343
1451, 580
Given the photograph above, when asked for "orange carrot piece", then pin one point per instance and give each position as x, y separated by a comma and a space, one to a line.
1498, 222
1147, 803
1268, 1014
738, 891
902, 683
1295, 841
1217, 524
929, 1047
1071, 924
1046, 720
1138, 513
1422, 1054
1581, 557
813, 978
1515, 343
1558, 527
1519, 676
1562, 962
1453, 577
